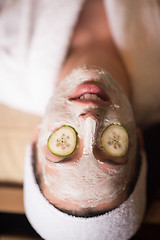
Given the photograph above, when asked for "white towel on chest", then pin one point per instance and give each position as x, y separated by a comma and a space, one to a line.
32, 52
135, 26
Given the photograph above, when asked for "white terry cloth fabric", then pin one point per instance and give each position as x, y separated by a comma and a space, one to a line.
118, 224
136, 31
35, 36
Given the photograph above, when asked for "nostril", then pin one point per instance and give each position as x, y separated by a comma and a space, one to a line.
92, 115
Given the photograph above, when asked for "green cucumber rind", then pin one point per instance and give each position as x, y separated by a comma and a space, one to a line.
62, 155
115, 155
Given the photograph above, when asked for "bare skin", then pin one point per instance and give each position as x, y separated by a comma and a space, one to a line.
92, 44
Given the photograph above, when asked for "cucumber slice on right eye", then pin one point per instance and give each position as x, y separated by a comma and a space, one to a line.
63, 141
114, 140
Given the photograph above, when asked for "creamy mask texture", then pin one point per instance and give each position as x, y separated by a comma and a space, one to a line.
84, 182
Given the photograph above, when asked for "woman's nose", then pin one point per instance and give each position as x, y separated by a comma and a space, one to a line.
94, 116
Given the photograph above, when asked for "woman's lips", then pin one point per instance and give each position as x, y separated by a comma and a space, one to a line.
89, 93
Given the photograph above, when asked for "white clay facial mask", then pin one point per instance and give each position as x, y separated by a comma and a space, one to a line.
84, 182
87, 181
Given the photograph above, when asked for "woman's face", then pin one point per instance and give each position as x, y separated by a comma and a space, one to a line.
89, 100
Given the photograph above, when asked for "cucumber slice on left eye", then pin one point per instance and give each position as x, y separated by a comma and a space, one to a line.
114, 140
63, 141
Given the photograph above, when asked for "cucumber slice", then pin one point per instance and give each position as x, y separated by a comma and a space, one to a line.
63, 141
114, 140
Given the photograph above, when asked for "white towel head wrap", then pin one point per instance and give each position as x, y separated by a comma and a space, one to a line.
120, 223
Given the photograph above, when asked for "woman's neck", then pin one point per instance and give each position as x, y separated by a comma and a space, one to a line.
92, 44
